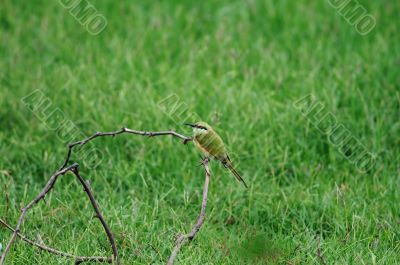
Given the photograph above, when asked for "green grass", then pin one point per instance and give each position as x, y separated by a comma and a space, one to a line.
240, 65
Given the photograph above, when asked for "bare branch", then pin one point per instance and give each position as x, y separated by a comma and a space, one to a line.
50, 184
182, 239
74, 168
110, 236
41, 195
78, 259
123, 130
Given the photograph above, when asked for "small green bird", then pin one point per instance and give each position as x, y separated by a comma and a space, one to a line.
211, 145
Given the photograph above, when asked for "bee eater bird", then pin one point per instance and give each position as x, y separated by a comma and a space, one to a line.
211, 145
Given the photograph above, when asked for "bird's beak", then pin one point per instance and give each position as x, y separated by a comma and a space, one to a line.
189, 124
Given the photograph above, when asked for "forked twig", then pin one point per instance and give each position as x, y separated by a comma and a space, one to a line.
78, 259
121, 131
74, 169
50, 184
41, 195
200, 220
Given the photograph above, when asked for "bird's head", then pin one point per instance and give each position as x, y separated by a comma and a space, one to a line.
200, 128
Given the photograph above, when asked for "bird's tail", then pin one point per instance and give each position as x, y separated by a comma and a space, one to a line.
235, 173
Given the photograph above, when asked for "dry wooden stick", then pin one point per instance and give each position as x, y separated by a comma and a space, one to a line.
74, 169
78, 259
50, 184
41, 195
110, 236
200, 220
123, 130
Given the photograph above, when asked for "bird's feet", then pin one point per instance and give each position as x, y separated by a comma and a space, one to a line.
185, 141
204, 161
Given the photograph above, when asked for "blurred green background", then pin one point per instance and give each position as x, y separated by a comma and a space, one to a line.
239, 65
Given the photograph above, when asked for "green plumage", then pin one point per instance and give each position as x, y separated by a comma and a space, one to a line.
211, 145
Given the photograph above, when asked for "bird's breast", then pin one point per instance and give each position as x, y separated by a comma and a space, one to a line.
211, 143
